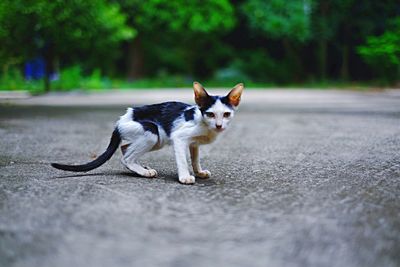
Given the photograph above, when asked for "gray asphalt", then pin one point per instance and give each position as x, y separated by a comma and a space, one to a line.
296, 181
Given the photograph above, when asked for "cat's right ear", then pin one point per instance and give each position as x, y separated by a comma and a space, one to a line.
200, 94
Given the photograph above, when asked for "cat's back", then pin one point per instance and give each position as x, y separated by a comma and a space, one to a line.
164, 114
159, 112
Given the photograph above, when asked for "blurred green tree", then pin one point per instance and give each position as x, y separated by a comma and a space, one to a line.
327, 17
288, 21
57, 30
187, 22
280, 19
343, 25
382, 52
273, 41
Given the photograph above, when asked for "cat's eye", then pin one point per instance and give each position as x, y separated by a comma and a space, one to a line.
210, 114
227, 114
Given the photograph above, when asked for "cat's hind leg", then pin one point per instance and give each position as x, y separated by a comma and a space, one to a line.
139, 143
140, 170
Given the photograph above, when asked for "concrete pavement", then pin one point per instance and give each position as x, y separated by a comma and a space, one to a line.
302, 178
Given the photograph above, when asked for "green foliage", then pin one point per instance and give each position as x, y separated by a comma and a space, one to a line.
63, 29
14, 81
327, 17
174, 33
133, 43
70, 78
73, 78
256, 65
280, 18
95, 81
177, 16
383, 52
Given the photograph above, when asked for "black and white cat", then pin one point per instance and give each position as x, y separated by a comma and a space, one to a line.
150, 127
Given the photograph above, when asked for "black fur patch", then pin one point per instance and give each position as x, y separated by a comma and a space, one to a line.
163, 114
225, 101
208, 103
211, 101
189, 114
149, 126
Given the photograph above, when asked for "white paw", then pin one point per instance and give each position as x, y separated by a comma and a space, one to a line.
150, 173
204, 174
187, 180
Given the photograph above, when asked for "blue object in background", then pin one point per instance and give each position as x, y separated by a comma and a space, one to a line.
35, 69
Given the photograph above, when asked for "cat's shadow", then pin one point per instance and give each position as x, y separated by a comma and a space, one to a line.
120, 173
83, 175
166, 177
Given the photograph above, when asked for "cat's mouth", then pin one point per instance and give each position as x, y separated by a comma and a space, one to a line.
219, 130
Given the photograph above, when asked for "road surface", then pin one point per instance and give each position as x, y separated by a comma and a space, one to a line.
302, 178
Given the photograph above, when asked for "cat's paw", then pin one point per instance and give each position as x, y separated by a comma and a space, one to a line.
150, 173
204, 174
187, 180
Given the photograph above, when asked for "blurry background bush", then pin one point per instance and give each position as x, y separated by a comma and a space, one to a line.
63, 45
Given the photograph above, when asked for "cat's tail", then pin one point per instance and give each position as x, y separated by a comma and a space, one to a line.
112, 147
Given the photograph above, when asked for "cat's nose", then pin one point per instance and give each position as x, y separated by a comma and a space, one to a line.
218, 126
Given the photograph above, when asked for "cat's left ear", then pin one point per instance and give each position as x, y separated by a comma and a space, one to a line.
235, 94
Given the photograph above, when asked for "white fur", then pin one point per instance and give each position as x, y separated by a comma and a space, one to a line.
185, 136
218, 109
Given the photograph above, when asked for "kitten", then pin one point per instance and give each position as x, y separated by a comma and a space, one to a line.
150, 127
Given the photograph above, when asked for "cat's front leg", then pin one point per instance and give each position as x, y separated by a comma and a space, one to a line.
180, 148
194, 155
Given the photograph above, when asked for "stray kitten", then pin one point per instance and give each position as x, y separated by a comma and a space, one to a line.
150, 127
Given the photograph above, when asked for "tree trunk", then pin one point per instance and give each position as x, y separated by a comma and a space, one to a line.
322, 56
324, 8
346, 43
344, 70
135, 59
49, 66
293, 57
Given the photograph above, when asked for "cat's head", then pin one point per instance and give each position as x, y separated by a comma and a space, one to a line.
217, 111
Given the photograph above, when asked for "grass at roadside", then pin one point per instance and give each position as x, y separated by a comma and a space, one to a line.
71, 81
